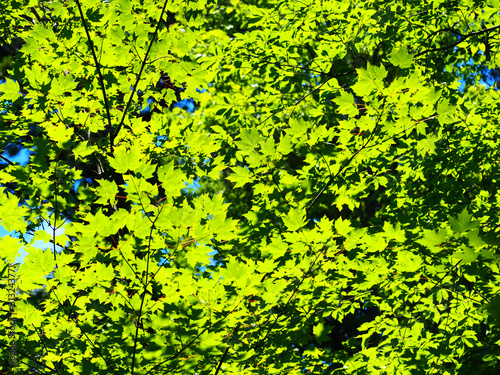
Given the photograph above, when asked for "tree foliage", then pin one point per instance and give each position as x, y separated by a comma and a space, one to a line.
347, 214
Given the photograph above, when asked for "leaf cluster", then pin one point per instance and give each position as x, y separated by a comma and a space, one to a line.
347, 214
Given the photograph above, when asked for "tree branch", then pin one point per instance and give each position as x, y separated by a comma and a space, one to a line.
101, 78
6, 160
222, 360
143, 64
463, 38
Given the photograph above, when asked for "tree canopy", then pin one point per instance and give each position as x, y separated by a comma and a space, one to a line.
347, 164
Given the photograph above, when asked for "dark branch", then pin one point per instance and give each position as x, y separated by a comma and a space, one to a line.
222, 360
143, 64
463, 37
6, 160
101, 78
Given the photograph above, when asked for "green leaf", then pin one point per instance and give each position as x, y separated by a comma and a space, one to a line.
10, 90
321, 332
432, 239
468, 255
238, 272
343, 227
82, 150
198, 255
107, 192
346, 104
126, 159
370, 79
240, 176
209, 342
493, 309
462, 223
12, 213
427, 145
294, 219
394, 232
9, 248
172, 178
285, 145
401, 57
36, 268
60, 134
407, 261
250, 140
29, 314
